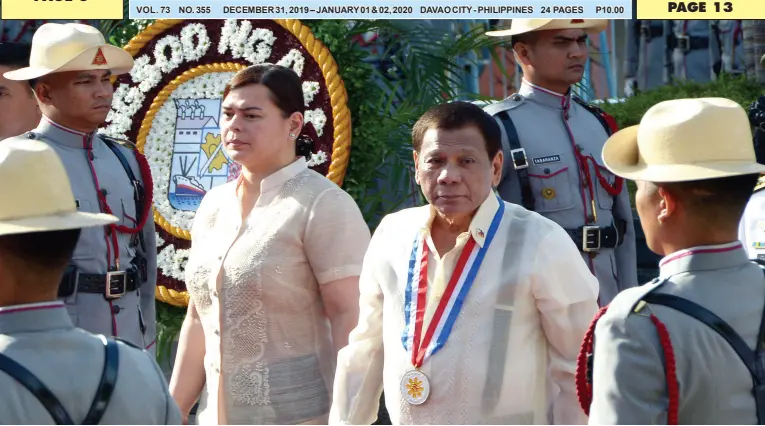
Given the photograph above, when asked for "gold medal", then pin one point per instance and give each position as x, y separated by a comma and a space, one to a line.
415, 387
548, 193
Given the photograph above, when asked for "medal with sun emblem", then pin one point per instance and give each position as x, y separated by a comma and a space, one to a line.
415, 387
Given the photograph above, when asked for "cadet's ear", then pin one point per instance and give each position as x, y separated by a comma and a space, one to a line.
667, 204
521, 52
42, 92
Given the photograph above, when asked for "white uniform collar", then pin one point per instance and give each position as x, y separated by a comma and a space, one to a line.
703, 258
33, 317
31, 307
545, 96
62, 135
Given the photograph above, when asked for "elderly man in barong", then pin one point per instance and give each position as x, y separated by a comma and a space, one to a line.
483, 302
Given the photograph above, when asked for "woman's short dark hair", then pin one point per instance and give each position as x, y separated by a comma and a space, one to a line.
458, 115
286, 92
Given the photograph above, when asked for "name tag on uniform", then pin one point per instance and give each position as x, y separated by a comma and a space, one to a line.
546, 160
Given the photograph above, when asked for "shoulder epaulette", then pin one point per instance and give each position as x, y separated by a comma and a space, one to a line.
124, 142
760, 183
608, 122
513, 101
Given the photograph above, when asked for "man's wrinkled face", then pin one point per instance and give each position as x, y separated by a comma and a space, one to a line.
454, 170
18, 108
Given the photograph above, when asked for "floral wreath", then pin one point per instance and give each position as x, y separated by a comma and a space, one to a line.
169, 105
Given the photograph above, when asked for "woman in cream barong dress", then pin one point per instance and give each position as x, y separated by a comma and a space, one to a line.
273, 270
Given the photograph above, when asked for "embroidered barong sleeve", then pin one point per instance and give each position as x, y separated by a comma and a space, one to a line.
629, 383
359, 376
336, 237
566, 296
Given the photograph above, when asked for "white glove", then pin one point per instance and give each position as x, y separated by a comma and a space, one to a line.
629, 87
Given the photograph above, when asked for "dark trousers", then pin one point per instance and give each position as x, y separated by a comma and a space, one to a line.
382, 413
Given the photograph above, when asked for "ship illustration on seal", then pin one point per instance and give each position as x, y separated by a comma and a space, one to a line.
199, 161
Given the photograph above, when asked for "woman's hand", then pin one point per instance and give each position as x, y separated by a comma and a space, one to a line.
188, 372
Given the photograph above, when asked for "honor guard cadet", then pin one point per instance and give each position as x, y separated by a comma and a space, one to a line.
752, 227
732, 46
109, 287
695, 50
686, 348
50, 371
20, 112
646, 47
552, 142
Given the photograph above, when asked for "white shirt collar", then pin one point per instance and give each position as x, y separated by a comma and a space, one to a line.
31, 307
481, 221
709, 249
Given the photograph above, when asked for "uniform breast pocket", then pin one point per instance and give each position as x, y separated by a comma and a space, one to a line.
551, 186
90, 238
605, 200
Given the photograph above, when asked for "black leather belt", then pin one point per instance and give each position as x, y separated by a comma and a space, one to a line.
591, 239
687, 43
651, 31
119, 283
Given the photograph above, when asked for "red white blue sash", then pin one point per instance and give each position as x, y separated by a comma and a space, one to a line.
448, 309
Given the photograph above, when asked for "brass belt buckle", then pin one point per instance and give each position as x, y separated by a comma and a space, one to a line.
590, 239
116, 284
684, 42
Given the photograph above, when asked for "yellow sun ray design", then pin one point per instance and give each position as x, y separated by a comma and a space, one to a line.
414, 387
209, 147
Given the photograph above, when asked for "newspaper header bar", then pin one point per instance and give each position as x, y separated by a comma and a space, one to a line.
391, 9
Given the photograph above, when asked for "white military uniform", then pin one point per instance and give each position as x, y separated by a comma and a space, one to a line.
131, 316
751, 230
69, 362
562, 141
646, 63
687, 347
50, 371
110, 285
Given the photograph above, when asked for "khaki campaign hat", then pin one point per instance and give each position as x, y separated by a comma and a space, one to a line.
522, 26
36, 194
71, 47
685, 140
